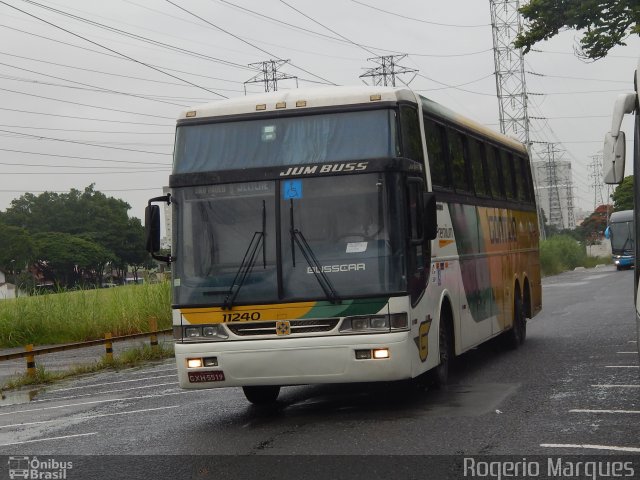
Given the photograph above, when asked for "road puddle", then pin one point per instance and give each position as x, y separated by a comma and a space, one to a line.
17, 397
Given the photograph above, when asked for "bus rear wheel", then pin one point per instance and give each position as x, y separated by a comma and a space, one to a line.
517, 335
262, 395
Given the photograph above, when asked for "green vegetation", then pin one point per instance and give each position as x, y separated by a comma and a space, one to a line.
623, 195
70, 239
129, 358
83, 314
603, 24
562, 252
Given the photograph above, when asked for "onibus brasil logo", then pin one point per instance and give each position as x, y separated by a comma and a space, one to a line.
37, 469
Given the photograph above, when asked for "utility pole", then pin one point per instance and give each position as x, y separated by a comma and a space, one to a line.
269, 75
387, 70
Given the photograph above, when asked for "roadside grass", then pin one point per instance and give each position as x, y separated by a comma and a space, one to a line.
82, 315
562, 252
130, 357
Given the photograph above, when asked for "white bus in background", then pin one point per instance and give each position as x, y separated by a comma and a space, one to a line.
614, 161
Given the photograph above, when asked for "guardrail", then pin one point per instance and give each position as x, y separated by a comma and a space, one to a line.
30, 353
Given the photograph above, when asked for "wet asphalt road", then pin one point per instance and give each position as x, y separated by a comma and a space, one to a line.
574, 384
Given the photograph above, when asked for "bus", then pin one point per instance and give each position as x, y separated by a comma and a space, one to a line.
620, 233
614, 156
340, 235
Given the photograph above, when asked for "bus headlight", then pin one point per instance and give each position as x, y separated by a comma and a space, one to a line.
375, 323
205, 333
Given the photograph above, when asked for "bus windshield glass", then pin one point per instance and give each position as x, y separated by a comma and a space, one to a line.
350, 224
267, 142
621, 235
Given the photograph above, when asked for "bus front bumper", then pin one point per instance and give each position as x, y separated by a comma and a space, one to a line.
296, 361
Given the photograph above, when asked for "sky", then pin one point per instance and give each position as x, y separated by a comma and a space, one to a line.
89, 91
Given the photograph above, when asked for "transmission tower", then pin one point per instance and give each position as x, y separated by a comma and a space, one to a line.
269, 75
511, 87
596, 175
506, 24
387, 70
555, 206
571, 218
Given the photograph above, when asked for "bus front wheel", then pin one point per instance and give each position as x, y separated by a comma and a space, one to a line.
440, 374
262, 395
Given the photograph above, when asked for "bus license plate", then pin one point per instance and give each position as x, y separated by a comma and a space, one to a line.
199, 377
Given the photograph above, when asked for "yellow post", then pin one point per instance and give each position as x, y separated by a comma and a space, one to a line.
108, 346
153, 327
31, 361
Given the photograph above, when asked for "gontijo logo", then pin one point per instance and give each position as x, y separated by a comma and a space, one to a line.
36, 469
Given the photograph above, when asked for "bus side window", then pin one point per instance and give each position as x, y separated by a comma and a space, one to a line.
493, 168
521, 179
436, 151
419, 253
507, 174
458, 161
410, 132
477, 167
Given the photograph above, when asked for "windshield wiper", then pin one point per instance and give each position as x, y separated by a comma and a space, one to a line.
248, 262
297, 238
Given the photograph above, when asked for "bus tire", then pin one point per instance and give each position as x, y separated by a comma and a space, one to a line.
262, 395
440, 374
518, 332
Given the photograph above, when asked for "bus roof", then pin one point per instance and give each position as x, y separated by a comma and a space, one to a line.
301, 98
622, 216
283, 100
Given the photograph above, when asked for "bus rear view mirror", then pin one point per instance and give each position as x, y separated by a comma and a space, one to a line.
614, 157
152, 228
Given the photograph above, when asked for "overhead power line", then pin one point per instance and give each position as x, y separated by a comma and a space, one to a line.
92, 159
40, 137
245, 41
124, 122
84, 104
103, 46
420, 20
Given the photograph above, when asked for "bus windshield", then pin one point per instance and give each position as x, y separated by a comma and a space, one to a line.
621, 235
327, 137
350, 224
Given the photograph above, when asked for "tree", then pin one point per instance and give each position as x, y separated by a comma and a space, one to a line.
68, 260
592, 228
623, 195
89, 215
17, 249
605, 23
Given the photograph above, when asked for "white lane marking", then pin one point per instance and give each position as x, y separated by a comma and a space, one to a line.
47, 439
89, 417
585, 410
594, 447
615, 386
633, 341
628, 353
155, 370
140, 397
69, 397
622, 366
111, 383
